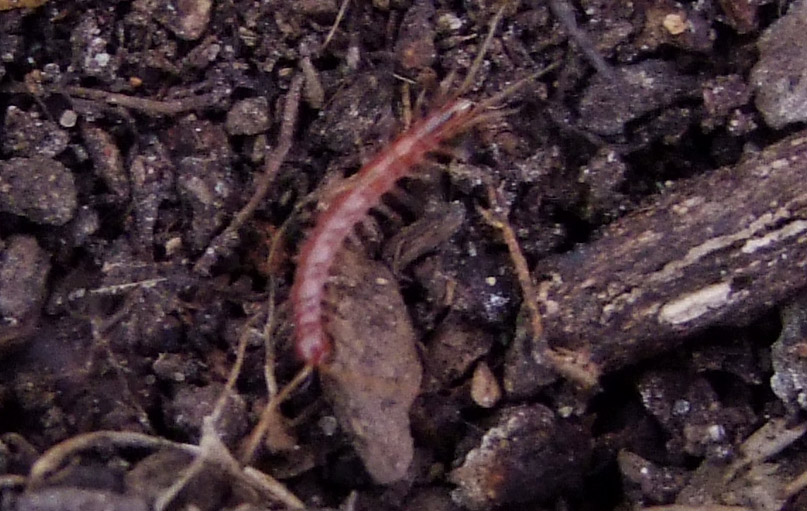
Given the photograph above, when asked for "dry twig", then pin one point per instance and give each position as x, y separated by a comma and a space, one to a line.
229, 236
146, 105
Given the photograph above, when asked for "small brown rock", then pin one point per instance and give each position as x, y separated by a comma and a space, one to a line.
192, 404
415, 46
485, 390
675, 23
40, 189
742, 14
188, 19
455, 347
248, 117
780, 76
667, 23
322, 10
24, 270
528, 455
25, 134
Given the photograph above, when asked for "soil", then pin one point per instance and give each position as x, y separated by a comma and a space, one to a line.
162, 161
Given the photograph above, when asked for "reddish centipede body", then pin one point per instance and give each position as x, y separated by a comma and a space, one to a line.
334, 225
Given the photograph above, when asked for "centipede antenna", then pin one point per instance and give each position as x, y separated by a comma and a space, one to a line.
387, 212
444, 88
480, 56
420, 100
499, 98
489, 116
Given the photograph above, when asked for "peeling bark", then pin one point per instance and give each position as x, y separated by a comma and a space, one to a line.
715, 249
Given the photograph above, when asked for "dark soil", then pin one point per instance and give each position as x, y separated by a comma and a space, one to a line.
161, 162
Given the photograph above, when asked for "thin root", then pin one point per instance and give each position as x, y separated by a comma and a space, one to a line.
56, 457
572, 365
337, 21
148, 106
563, 12
214, 453
257, 434
11, 481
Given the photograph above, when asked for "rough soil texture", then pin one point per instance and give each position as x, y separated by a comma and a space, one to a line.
592, 300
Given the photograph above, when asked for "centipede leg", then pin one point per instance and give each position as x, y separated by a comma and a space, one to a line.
388, 213
353, 240
404, 198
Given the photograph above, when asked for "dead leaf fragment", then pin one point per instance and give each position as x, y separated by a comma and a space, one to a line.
375, 372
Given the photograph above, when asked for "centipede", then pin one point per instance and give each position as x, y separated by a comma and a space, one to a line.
401, 158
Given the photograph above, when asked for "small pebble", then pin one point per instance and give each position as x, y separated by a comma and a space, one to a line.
322, 10
187, 19
248, 117
675, 23
24, 268
528, 455
191, 404
68, 119
780, 75
26, 134
40, 189
485, 390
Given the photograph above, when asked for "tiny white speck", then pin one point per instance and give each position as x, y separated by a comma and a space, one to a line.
716, 432
681, 407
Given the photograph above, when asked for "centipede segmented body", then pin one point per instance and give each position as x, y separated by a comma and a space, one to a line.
399, 159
